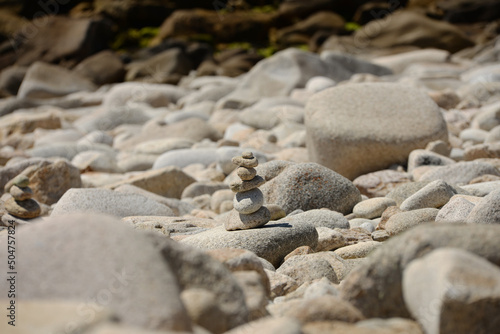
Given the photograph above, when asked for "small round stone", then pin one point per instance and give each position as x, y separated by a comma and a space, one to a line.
23, 209
246, 174
21, 194
249, 201
21, 181
248, 163
247, 155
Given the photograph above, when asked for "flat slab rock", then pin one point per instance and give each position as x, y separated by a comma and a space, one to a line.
271, 242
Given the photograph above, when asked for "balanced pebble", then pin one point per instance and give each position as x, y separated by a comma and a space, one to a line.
249, 201
240, 186
246, 174
248, 163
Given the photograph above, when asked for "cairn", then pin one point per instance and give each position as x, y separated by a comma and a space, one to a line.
248, 204
21, 204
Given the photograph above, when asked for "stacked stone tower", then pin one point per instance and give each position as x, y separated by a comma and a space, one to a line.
249, 210
21, 204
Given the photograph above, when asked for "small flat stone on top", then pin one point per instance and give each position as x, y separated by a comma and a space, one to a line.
240, 186
246, 174
247, 155
247, 163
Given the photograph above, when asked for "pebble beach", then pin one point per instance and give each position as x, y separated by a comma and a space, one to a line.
248, 167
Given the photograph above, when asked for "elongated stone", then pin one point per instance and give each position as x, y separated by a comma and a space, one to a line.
248, 163
238, 221
240, 186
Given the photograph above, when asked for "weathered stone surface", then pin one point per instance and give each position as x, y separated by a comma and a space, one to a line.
241, 186
108, 202
271, 242
464, 296
487, 211
142, 293
26, 209
324, 308
371, 134
197, 270
456, 210
269, 325
310, 186
460, 173
50, 182
321, 218
359, 250
433, 195
418, 158
167, 181
306, 268
249, 201
379, 278
373, 207
403, 221
238, 221
44, 80
380, 183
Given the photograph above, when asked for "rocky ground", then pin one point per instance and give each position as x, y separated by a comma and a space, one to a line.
354, 189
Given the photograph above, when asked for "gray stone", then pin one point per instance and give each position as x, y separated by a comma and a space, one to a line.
167, 181
480, 151
371, 134
487, 211
271, 242
160, 146
306, 268
320, 288
329, 239
398, 62
44, 80
239, 221
380, 235
185, 157
464, 296
433, 195
246, 174
105, 119
321, 309
380, 183
96, 161
456, 210
373, 207
245, 162
290, 69
96, 137
460, 173
269, 325
403, 221
310, 186
142, 293
440, 147
20, 181
319, 83
108, 202
359, 250
475, 136
201, 305
418, 158
197, 270
202, 188
156, 95
241, 186
481, 189
488, 117
249, 201
322, 218
379, 277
